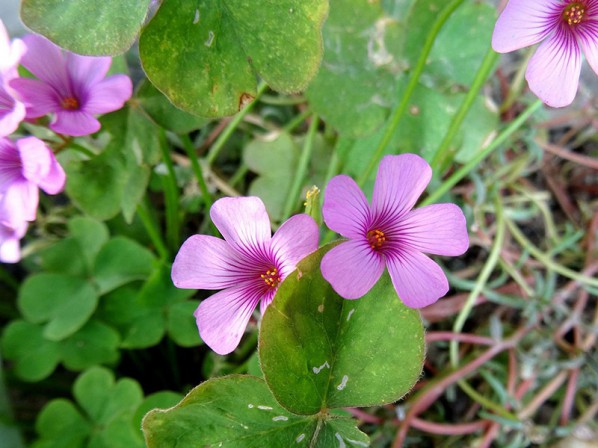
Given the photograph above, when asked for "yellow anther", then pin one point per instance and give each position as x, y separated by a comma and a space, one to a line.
574, 13
376, 238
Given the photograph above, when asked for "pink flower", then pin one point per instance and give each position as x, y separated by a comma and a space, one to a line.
25, 166
70, 86
566, 27
248, 265
388, 233
10, 251
12, 111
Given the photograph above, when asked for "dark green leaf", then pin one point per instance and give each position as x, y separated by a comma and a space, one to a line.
106, 27
319, 351
206, 56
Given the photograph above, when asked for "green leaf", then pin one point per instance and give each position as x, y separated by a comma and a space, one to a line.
34, 356
313, 344
91, 235
96, 185
164, 399
120, 261
64, 302
60, 425
240, 412
96, 343
181, 324
106, 416
162, 111
108, 27
206, 56
143, 313
361, 66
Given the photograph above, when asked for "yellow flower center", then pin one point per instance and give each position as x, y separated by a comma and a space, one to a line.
376, 238
574, 13
271, 277
70, 103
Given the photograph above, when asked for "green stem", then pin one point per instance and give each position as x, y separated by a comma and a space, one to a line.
171, 196
480, 283
295, 189
469, 166
291, 125
225, 135
152, 229
546, 259
192, 154
444, 150
413, 81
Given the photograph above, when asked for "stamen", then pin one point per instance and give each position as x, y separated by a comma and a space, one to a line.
574, 13
376, 238
70, 103
271, 278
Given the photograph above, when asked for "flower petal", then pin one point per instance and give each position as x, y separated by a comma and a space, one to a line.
418, 280
352, 268
39, 97
10, 164
45, 61
525, 22
400, 182
12, 112
244, 224
223, 317
109, 95
19, 203
553, 71
10, 250
294, 239
75, 123
435, 229
207, 262
267, 300
86, 71
345, 209
40, 166
588, 39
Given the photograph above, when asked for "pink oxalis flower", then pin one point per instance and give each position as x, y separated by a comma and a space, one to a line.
12, 111
72, 87
566, 28
248, 265
25, 166
389, 233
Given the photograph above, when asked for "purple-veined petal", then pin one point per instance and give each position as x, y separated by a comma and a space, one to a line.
75, 123
418, 280
46, 61
86, 71
19, 203
10, 164
109, 95
525, 22
352, 268
400, 182
588, 40
40, 166
12, 112
244, 224
223, 317
294, 239
207, 262
39, 97
345, 209
435, 229
553, 71
267, 300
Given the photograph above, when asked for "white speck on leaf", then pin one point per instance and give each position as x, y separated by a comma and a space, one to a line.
343, 383
350, 313
341, 442
279, 418
250, 406
377, 52
299, 438
265, 408
318, 369
196, 18
208, 42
